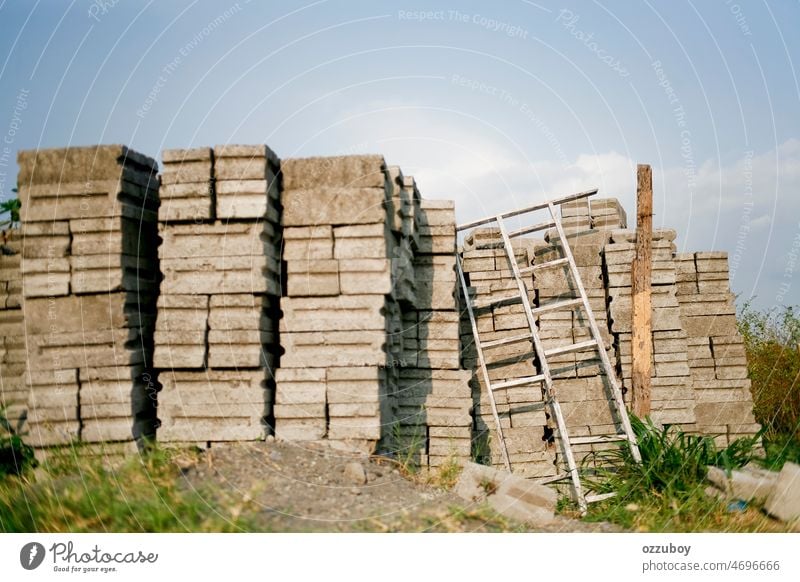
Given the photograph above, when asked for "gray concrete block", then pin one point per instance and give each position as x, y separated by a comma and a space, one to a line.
337, 206
210, 276
248, 151
342, 312
364, 241
219, 239
255, 199
305, 429
367, 171
313, 278
241, 168
365, 276
90, 199
369, 428
784, 502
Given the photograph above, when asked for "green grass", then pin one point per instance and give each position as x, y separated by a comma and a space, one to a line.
15, 455
76, 492
406, 449
666, 491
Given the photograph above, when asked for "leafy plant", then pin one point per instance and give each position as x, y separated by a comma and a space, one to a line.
666, 491
446, 475
672, 460
15, 455
772, 342
11, 207
406, 449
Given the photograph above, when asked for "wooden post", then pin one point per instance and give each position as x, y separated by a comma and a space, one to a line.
641, 270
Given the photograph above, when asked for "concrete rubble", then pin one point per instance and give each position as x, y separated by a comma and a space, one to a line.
509, 495
784, 500
777, 492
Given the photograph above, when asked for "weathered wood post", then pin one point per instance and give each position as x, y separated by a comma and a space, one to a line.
642, 301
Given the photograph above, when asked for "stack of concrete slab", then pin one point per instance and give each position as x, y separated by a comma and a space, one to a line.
337, 252
90, 269
521, 408
434, 397
576, 216
672, 400
187, 186
717, 362
608, 214
434, 415
13, 394
242, 174
216, 340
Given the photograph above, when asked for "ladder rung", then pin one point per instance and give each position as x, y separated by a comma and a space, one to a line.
551, 264
506, 340
492, 301
530, 229
596, 440
547, 265
599, 497
570, 348
558, 305
539, 206
517, 382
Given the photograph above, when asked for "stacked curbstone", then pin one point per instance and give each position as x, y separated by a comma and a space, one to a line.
434, 402
13, 394
717, 361
90, 281
672, 399
216, 340
333, 382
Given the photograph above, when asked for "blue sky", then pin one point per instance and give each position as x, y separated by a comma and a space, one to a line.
494, 105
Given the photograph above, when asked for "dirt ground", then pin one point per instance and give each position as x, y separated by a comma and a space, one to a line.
296, 487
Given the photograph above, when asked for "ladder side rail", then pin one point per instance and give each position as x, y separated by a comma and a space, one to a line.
484, 372
601, 349
554, 404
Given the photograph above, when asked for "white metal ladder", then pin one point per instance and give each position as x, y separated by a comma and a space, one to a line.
544, 377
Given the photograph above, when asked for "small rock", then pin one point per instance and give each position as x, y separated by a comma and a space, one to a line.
355, 491
270, 438
632, 507
354, 472
275, 455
